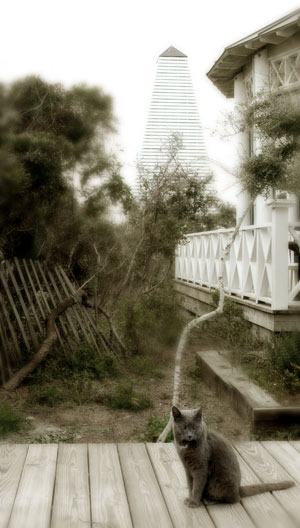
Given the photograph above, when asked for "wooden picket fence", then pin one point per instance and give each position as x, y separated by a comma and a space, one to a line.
29, 291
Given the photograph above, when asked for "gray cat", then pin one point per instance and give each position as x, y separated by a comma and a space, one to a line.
211, 465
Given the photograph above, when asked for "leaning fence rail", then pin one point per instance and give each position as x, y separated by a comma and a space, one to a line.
29, 291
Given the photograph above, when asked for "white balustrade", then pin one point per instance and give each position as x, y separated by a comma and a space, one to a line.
250, 269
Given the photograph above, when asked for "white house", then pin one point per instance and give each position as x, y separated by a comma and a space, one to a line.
262, 272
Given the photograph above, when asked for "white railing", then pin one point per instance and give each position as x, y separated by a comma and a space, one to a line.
260, 267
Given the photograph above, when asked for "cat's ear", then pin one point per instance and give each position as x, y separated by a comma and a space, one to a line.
198, 414
176, 413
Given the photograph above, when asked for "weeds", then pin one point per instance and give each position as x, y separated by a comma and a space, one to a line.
9, 419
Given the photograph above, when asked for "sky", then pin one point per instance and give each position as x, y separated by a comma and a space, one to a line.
114, 44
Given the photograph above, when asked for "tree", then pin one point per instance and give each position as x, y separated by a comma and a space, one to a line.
276, 121
48, 134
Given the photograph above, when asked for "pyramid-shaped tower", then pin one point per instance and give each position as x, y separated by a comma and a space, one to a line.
173, 110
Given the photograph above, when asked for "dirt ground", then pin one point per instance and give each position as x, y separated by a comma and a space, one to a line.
95, 422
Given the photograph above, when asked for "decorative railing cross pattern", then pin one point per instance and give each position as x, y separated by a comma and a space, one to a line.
248, 267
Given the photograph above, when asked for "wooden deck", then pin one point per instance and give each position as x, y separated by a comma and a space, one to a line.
136, 486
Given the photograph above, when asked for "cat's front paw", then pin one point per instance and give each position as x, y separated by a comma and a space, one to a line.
191, 503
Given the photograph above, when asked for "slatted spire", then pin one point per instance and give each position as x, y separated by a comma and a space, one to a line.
173, 110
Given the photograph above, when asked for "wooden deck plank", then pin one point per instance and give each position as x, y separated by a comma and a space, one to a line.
12, 459
108, 497
269, 470
263, 509
286, 455
171, 477
33, 502
147, 506
71, 506
232, 515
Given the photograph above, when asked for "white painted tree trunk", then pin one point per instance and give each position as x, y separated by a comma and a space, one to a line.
197, 322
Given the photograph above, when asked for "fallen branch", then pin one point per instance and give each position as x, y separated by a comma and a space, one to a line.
196, 323
51, 336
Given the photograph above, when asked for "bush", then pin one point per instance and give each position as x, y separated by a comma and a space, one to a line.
155, 318
231, 329
85, 362
9, 419
125, 397
50, 396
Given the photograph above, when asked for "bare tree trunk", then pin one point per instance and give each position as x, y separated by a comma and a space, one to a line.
197, 322
51, 336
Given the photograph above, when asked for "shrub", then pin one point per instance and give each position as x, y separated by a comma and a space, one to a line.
85, 362
9, 419
155, 318
125, 397
48, 396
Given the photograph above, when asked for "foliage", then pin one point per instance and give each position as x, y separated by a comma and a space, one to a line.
231, 329
50, 396
47, 135
284, 358
275, 120
9, 419
221, 216
152, 319
125, 397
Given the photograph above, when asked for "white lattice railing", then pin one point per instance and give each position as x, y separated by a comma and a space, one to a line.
250, 270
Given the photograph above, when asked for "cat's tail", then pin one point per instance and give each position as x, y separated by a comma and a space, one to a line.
247, 491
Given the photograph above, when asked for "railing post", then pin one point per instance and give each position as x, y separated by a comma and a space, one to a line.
280, 289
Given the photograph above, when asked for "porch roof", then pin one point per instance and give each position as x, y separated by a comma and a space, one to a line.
237, 55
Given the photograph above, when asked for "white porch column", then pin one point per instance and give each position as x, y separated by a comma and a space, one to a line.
279, 279
242, 147
260, 69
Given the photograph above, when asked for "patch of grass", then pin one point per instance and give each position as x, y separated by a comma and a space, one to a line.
154, 428
9, 419
125, 397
